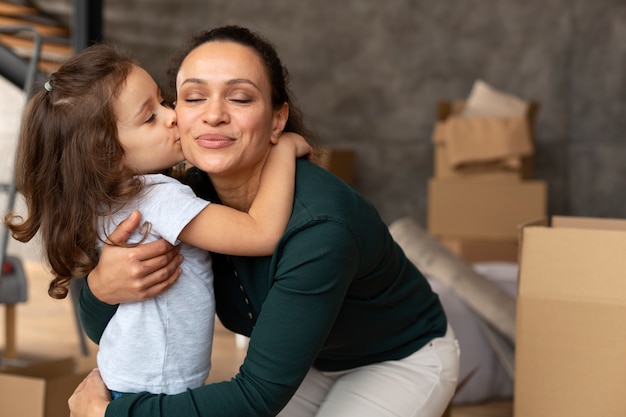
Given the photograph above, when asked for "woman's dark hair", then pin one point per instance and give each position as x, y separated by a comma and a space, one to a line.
276, 72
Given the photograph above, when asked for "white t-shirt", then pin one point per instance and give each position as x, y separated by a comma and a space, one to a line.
162, 345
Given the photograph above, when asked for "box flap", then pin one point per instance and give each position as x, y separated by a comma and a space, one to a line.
588, 223
591, 272
479, 139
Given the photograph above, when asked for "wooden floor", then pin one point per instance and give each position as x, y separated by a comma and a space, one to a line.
46, 329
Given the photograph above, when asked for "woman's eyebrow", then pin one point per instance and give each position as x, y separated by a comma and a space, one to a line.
229, 82
193, 81
242, 81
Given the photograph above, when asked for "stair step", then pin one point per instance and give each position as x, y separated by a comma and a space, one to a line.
56, 46
57, 50
14, 9
45, 29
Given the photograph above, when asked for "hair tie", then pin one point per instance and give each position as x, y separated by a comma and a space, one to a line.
47, 86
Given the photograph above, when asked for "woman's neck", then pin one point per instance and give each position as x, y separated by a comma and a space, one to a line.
238, 193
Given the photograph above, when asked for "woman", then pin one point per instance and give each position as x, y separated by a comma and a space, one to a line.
108, 138
340, 322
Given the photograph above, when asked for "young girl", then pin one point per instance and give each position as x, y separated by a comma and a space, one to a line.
93, 145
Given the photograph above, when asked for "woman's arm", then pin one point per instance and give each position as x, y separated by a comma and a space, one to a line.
222, 229
293, 324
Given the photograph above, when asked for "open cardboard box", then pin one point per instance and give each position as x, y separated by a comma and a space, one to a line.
494, 171
39, 389
571, 327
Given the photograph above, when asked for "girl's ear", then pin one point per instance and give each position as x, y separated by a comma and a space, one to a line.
278, 124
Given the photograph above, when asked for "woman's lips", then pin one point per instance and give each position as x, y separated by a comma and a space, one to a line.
213, 141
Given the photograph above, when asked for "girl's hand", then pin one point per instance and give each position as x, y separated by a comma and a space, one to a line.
138, 273
301, 145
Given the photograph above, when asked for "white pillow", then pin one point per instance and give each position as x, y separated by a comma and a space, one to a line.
485, 100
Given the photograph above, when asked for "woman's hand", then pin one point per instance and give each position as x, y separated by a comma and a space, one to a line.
126, 274
91, 397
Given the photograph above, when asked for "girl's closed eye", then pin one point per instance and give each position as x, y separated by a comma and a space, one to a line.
153, 116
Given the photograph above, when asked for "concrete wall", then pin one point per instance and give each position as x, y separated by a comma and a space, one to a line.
368, 75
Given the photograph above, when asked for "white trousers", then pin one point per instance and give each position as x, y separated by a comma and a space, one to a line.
420, 385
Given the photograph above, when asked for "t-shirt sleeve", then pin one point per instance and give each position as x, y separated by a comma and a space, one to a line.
169, 206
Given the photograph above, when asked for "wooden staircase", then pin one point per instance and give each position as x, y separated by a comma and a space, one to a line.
56, 42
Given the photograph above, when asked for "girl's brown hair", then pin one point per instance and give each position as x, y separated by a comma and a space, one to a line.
69, 162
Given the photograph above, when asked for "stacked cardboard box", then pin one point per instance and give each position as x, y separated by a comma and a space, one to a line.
39, 388
571, 332
482, 189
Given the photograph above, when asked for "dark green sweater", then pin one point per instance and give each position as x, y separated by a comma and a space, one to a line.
337, 293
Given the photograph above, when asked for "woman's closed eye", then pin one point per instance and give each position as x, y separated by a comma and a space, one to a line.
192, 98
240, 97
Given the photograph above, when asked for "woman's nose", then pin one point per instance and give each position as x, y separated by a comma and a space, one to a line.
215, 112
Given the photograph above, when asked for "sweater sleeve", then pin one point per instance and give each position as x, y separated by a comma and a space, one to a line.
310, 277
94, 314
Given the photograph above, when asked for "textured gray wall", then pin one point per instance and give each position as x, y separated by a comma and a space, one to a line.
368, 75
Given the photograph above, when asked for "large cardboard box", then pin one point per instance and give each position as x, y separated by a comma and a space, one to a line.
571, 327
39, 389
483, 210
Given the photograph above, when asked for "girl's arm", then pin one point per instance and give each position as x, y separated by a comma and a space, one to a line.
222, 229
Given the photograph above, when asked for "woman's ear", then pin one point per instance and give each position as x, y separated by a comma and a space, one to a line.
279, 121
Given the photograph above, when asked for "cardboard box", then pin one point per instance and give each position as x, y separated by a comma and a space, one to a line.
471, 140
38, 389
491, 172
483, 210
482, 250
338, 161
571, 331
509, 169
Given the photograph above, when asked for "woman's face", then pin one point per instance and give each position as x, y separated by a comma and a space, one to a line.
225, 116
146, 127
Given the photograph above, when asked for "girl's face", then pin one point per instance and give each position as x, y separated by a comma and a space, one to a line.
146, 126
224, 109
